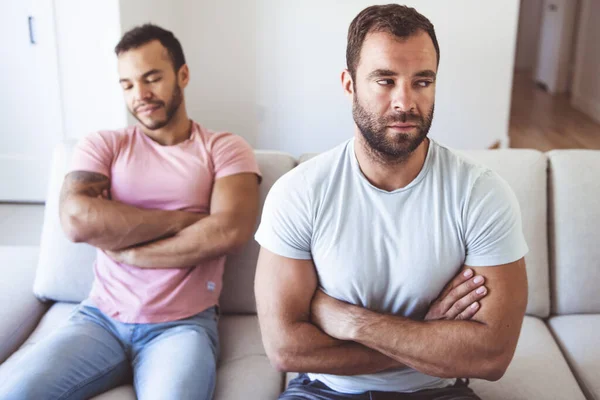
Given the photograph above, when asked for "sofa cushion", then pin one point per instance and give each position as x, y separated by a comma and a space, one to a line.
238, 280
65, 270
538, 370
574, 230
525, 172
577, 335
244, 371
20, 311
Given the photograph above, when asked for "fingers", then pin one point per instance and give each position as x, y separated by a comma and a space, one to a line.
460, 278
467, 305
469, 312
461, 289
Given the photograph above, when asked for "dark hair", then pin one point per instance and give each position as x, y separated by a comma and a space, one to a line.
140, 35
400, 21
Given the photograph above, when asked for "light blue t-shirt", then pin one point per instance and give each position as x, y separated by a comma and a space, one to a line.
391, 252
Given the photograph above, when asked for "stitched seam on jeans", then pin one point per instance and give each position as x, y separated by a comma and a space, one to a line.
87, 381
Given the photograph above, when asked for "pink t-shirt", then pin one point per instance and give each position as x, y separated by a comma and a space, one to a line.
145, 174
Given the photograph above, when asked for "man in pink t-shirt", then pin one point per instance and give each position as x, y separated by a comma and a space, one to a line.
163, 201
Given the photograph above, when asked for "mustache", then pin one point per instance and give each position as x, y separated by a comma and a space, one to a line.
149, 103
404, 117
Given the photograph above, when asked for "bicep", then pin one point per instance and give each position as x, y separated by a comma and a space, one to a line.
236, 195
284, 288
503, 308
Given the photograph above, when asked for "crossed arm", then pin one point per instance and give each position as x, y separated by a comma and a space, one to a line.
158, 238
305, 330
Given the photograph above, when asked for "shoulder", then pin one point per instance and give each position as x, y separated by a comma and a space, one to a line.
456, 164
218, 141
111, 139
320, 168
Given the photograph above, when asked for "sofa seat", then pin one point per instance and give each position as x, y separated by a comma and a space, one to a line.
577, 336
538, 370
244, 372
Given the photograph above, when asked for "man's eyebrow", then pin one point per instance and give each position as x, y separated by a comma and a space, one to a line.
145, 75
379, 73
426, 74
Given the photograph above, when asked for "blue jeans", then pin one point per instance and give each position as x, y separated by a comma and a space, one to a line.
94, 353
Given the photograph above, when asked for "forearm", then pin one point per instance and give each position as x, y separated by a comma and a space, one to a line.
211, 237
302, 347
446, 349
111, 225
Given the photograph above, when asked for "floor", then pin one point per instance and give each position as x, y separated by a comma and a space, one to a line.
538, 120
21, 224
544, 122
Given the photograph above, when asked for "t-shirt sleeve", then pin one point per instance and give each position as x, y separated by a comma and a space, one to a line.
286, 224
494, 233
94, 153
232, 155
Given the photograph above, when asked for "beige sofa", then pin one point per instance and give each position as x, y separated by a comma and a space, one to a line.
556, 357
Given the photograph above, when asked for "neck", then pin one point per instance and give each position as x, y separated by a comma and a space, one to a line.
176, 131
389, 175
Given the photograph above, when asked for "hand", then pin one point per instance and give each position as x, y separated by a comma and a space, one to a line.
332, 316
124, 256
459, 299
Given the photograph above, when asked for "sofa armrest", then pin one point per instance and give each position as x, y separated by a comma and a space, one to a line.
20, 310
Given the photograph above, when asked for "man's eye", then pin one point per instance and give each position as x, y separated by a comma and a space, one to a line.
385, 82
154, 80
127, 87
424, 84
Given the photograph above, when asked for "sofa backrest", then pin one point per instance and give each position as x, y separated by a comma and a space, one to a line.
64, 271
525, 172
574, 229
238, 280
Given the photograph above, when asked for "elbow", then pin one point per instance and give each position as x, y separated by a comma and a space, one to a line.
280, 357
279, 361
71, 222
284, 360
494, 368
493, 374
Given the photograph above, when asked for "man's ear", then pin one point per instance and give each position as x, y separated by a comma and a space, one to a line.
347, 83
183, 76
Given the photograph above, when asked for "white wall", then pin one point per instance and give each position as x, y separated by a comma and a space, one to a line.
586, 85
269, 70
530, 17
87, 32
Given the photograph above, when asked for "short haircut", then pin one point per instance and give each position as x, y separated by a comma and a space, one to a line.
140, 35
400, 21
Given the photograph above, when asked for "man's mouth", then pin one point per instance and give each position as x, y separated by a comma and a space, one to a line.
147, 109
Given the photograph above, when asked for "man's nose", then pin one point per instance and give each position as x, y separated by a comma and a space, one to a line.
142, 93
403, 98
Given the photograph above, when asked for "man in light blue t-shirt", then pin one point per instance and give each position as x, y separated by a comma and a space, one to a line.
370, 277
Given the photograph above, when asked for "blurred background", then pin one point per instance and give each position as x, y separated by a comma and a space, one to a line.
513, 73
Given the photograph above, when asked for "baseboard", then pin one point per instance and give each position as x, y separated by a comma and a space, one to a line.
590, 107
